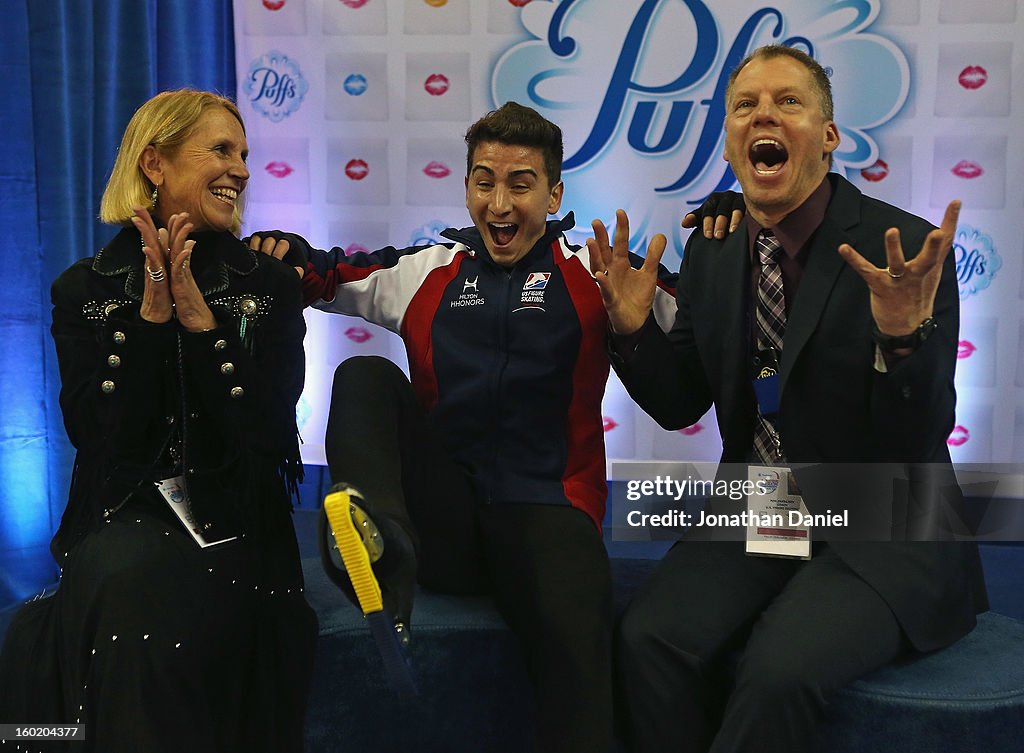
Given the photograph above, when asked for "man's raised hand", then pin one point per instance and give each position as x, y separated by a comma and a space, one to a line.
628, 293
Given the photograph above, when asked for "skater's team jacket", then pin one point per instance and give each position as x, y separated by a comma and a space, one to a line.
509, 364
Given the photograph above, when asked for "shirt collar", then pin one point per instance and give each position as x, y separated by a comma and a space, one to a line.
796, 228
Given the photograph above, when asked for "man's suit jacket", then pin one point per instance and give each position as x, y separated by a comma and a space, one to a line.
835, 408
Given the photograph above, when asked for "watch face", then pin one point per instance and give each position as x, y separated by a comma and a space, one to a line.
921, 333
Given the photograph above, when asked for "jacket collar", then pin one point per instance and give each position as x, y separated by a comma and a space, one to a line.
731, 274
821, 272
470, 236
216, 257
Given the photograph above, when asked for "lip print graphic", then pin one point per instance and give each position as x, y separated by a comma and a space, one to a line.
279, 169
973, 77
356, 248
689, 431
965, 349
358, 334
436, 84
966, 169
354, 3
435, 169
436, 3
609, 424
357, 169
876, 172
958, 436
518, 3
272, 5
355, 84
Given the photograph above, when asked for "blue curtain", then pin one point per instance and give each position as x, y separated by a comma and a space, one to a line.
73, 72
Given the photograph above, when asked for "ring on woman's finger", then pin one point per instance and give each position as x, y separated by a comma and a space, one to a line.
892, 274
156, 275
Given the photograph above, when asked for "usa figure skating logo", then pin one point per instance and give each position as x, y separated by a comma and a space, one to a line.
537, 281
275, 86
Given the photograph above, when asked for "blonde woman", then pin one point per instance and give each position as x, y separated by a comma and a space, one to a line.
179, 622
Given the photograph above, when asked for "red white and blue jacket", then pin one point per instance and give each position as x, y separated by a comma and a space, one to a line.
510, 365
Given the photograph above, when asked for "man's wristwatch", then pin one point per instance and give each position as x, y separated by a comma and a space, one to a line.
890, 343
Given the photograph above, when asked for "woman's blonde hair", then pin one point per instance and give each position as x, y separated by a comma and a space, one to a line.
165, 121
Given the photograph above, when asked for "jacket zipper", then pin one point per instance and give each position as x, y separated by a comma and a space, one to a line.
499, 372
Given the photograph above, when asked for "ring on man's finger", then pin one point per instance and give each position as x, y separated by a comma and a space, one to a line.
892, 274
156, 275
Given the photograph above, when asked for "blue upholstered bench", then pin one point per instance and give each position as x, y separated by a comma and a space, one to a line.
475, 695
967, 698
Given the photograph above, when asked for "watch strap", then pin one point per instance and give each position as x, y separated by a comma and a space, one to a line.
912, 341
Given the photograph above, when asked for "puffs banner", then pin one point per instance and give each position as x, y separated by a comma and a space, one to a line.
356, 111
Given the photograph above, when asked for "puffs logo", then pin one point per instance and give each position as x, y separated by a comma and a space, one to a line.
639, 88
275, 86
429, 234
977, 260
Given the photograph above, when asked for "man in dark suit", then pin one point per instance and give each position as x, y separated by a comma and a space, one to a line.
723, 651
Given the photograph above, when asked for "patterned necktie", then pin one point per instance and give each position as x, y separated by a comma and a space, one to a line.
769, 330
771, 301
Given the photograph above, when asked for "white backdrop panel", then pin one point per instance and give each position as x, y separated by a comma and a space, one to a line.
356, 110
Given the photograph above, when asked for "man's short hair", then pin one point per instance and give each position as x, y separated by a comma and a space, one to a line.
517, 125
819, 79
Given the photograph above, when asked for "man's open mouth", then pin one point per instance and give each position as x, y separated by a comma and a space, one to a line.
502, 233
768, 156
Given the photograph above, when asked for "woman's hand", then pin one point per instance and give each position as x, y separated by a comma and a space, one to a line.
192, 311
157, 303
170, 288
